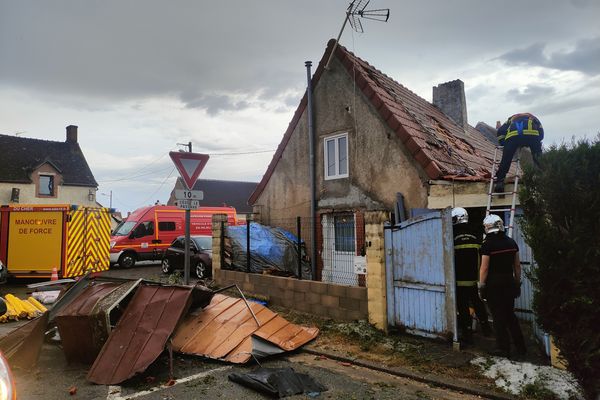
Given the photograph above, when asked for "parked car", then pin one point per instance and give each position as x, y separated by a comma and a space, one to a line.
200, 256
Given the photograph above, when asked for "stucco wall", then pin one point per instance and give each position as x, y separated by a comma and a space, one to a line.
66, 195
379, 165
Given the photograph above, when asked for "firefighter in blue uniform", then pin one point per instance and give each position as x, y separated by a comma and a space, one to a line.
520, 130
500, 284
466, 267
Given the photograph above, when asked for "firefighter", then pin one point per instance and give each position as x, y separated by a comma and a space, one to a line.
500, 284
519, 130
466, 267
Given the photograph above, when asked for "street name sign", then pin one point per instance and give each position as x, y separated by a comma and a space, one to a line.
188, 204
189, 165
189, 194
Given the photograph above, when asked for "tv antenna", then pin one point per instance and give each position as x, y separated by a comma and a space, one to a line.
355, 11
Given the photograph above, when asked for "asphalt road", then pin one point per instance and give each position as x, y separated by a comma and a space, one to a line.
197, 378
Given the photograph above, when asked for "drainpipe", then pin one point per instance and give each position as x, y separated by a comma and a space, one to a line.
311, 167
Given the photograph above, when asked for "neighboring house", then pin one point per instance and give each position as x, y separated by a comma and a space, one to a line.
35, 171
218, 193
374, 138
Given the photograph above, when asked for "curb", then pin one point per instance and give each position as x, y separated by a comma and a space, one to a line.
434, 380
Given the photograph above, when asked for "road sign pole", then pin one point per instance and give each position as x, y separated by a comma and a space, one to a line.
186, 264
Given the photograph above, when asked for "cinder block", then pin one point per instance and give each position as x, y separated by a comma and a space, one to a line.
356, 293
288, 294
261, 289
301, 286
313, 298
330, 301
336, 290
256, 279
274, 291
299, 296
364, 307
278, 282
302, 306
318, 287
288, 302
349, 304
337, 314
247, 287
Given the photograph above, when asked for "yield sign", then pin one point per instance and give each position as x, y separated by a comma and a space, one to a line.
189, 165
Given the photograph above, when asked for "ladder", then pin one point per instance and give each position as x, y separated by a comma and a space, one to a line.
491, 194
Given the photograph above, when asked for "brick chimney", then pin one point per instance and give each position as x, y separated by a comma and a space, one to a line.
71, 134
449, 97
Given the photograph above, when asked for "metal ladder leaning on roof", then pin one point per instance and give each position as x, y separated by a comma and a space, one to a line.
491, 194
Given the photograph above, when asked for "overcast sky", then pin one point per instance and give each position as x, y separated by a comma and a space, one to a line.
138, 77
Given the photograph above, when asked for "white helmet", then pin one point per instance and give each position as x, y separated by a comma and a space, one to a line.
493, 223
459, 216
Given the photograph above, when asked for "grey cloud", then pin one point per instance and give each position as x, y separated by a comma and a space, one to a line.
531, 93
213, 103
585, 57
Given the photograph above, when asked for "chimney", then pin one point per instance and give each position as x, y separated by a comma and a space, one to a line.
71, 134
449, 97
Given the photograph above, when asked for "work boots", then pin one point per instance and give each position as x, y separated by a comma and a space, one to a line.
499, 186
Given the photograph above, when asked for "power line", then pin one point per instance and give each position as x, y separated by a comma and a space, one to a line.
160, 187
242, 153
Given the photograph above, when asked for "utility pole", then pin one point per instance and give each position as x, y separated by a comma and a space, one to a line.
188, 216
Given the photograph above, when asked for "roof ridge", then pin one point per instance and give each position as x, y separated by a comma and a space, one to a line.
33, 139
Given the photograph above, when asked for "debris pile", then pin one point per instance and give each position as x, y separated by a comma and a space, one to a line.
122, 326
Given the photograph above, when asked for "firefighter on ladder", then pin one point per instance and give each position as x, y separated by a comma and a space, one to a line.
520, 130
466, 266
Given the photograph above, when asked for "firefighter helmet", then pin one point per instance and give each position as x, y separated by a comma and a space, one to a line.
493, 223
459, 216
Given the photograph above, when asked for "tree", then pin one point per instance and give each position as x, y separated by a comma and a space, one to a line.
561, 203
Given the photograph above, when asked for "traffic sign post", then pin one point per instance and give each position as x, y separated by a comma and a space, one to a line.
189, 166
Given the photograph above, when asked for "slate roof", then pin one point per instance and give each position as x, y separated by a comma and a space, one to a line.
218, 193
19, 156
442, 148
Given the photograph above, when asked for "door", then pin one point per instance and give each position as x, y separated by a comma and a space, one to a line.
88, 241
339, 249
420, 275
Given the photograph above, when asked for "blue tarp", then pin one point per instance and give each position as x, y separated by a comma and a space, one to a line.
272, 249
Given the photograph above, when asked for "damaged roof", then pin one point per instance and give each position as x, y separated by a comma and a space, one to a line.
444, 149
226, 330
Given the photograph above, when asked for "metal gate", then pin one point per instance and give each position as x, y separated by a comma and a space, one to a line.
524, 303
420, 275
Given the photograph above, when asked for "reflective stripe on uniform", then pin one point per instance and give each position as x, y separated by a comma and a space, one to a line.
467, 246
466, 283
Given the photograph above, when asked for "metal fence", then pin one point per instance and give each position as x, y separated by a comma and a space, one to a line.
340, 249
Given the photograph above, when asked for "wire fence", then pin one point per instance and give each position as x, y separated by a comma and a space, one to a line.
283, 247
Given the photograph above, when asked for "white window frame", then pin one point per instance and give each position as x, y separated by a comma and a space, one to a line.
336, 139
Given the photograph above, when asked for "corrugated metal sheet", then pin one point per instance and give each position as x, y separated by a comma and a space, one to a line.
420, 270
225, 329
22, 346
141, 333
84, 324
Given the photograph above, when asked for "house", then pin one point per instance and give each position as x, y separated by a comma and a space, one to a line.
35, 171
374, 139
220, 193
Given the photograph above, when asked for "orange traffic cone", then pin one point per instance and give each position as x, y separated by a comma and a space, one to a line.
54, 276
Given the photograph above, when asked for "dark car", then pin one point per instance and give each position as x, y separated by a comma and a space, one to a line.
200, 256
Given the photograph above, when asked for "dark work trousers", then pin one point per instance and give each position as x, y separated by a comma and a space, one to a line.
466, 296
510, 148
501, 302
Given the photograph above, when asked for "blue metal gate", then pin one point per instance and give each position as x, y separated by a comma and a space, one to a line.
420, 275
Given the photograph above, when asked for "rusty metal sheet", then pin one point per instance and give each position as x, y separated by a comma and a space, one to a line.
141, 333
84, 323
22, 346
225, 328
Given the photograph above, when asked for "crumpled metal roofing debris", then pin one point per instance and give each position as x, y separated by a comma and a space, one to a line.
141, 333
226, 330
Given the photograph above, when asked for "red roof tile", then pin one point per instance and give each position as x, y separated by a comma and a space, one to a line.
444, 149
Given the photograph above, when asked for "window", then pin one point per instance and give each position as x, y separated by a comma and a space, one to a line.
336, 156
46, 185
344, 232
144, 229
166, 226
178, 244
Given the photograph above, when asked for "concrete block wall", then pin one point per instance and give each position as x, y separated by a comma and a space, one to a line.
343, 303
376, 276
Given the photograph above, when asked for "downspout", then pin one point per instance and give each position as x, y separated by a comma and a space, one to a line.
311, 146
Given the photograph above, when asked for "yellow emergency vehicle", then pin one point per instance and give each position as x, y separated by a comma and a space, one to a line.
35, 239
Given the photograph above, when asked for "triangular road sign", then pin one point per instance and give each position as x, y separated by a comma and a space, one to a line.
189, 165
